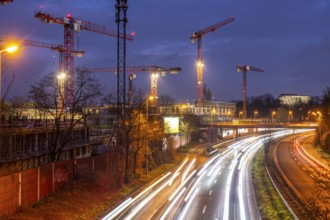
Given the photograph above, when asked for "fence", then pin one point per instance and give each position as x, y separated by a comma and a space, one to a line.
24, 188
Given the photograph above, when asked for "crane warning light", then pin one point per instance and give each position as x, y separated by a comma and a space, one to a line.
133, 34
68, 15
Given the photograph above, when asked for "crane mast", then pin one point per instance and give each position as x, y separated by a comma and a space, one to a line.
121, 21
244, 69
198, 35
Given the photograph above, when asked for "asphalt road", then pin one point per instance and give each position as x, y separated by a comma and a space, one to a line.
216, 188
294, 167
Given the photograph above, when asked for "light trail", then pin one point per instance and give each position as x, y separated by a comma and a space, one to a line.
117, 210
187, 206
129, 202
228, 188
187, 170
172, 204
178, 170
181, 186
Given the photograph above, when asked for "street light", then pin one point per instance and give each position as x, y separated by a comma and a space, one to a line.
240, 114
273, 115
290, 116
61, 84
180, 129
151, 98
9, 49
212, 120
319, 115
254, 114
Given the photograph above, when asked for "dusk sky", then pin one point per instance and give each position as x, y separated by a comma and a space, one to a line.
289, 39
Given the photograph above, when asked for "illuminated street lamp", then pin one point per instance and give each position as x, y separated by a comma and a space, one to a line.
61, 85
182, 107
290, 116
273, 115
213, 112
9, 49
151, 98
254, 114
240, 114
318, 119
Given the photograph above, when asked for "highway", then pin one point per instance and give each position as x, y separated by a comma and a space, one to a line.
218, 188
297, 166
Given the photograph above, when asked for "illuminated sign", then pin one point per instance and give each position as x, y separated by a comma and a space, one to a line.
171, 125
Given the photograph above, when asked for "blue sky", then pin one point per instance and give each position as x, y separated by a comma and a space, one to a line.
290, 39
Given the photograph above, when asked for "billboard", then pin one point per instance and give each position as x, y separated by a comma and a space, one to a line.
171, 125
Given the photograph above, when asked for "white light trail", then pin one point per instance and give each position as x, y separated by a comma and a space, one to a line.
187, 170
128, 202
177, 171
172, 204
187, 206
228, 187
181, 186
117, 210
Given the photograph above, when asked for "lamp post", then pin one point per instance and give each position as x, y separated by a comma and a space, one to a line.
290, 116
180, 130
147, 112
254, 114
319, 115
212, 120
9, 50
61, 83
273, 116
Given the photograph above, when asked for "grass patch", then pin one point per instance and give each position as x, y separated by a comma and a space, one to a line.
269, 202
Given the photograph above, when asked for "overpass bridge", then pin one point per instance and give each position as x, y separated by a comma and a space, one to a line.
263, 125
235, 129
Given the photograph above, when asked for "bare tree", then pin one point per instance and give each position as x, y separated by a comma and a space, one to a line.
144, 132
134, 132
66, 116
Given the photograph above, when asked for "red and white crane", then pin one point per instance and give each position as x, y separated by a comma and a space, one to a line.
198, 36
72, 25
132, 70
244, 69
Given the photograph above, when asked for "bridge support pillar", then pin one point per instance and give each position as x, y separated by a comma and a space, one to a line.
235, 133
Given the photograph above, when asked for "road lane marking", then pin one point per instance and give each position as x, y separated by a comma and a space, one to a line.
210, 192
204, 209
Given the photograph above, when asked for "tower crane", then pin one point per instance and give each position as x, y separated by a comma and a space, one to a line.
72, 25
198, 35
244, 69
132, 70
